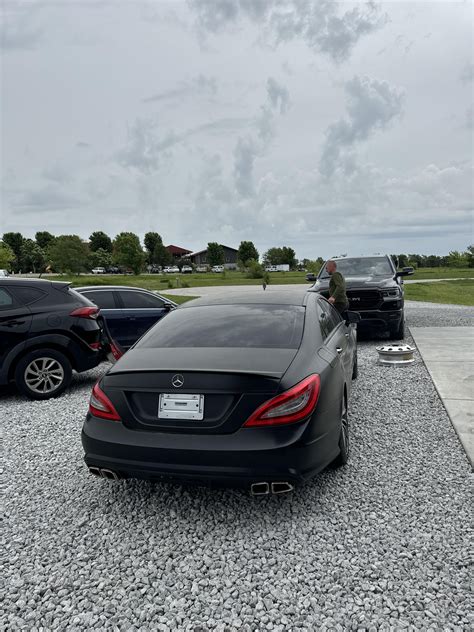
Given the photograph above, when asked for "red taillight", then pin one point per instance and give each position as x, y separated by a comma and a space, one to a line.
95, 345
291, 406
86, 312
115, 351
101, 406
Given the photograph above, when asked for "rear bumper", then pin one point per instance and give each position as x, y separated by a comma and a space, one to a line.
246, 456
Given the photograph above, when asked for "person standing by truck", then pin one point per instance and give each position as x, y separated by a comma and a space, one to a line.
337, 288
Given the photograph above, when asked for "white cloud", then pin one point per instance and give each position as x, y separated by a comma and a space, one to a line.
278, 95
245, 153
320, 24
467, 74
371, 106
19, 29
249, 148
200, 85
220, 151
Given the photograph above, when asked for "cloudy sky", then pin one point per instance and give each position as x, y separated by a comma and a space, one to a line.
329, 127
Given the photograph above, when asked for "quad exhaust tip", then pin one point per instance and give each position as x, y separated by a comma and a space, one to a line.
282, 487
104, 473
276, 487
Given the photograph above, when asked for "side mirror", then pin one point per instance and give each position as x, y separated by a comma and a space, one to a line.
405, 272
353, 317
168, 306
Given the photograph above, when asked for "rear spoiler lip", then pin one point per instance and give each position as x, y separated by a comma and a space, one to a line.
61, 285
275, 374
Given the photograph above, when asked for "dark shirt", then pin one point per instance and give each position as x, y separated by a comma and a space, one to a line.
337, 289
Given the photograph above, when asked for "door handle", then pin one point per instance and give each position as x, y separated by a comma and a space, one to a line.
132, 318
339, 350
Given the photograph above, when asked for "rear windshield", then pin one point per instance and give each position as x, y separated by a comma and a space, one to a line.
256, 326
364, 266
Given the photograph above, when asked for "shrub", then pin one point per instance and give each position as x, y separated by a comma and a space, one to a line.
254, 270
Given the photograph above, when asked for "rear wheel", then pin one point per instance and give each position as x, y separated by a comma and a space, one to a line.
343, 455
43, 373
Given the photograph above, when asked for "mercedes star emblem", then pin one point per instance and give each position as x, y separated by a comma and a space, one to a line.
177, 380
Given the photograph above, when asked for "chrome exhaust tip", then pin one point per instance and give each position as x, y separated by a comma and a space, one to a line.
260, 489
109, 474
282, 487
95, 471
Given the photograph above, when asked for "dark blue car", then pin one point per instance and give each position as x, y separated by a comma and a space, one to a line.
128, 311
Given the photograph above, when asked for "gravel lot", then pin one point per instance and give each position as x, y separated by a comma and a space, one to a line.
379, 545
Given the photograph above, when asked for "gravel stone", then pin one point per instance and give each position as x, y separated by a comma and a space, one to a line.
378, 545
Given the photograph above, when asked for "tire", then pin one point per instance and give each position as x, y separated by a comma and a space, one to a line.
399, 332
355, 367
54, 366
343, 455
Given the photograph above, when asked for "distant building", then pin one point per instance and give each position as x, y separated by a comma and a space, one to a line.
176, 251
230, 257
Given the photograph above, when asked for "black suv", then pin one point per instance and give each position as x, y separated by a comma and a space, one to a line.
47, 329
374, 289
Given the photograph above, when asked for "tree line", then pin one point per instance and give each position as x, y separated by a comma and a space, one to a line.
454, 259
71, 254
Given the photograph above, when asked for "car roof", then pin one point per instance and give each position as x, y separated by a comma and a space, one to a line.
358, 257
84, 288
295, 296
25, 281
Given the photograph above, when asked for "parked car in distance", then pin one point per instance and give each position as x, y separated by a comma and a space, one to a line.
202, 268
187, 269
113, 270
310, 276
217, 269
281, 267
374, 290
47, 330
99, 271
240, 390
171, 270
128, 311
4, 273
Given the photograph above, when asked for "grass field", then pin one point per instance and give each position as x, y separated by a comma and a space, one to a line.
162, 282
442, 273
179, 299
454, 292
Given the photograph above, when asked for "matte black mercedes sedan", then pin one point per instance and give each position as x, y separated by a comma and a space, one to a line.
250, 390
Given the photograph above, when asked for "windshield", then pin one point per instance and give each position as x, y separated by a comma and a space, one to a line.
256, 326
361, 266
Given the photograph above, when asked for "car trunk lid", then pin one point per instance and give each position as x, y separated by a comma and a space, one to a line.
232, 383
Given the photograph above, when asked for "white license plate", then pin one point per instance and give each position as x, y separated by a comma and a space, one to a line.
181, 406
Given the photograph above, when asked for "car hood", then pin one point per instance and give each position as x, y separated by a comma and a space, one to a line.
269, 362
358, 282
